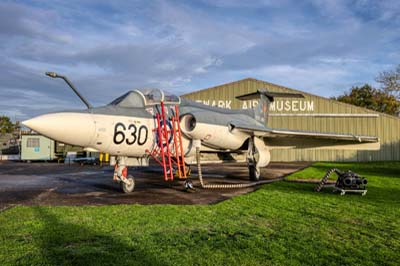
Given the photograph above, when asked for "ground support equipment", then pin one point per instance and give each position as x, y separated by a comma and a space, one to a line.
342, 192
347, 182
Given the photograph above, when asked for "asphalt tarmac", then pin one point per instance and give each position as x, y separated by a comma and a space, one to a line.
59, 184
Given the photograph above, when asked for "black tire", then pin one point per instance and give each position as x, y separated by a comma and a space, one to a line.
129, 186
189, 186
254, 173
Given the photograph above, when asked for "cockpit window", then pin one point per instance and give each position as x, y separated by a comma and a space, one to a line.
145, 97
132, 99
171, 98
119, 99
152, 96
155, 96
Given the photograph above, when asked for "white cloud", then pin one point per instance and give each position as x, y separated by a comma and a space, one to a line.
244, 4
109, 47
318, 79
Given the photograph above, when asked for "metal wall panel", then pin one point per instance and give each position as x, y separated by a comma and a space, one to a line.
309, 114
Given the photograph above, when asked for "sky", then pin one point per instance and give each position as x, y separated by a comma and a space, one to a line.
106, 48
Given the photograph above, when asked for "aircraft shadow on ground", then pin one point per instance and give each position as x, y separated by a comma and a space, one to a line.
113, 187
63, 243
88, 183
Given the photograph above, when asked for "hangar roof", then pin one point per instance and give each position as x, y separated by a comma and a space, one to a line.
275, 87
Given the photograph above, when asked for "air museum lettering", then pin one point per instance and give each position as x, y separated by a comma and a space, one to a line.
276, 106
292, 106
217, 103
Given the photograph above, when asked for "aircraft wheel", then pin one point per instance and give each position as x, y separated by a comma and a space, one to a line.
254, 173
129, 185
189, 185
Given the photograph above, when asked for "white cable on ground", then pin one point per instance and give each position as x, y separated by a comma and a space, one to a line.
227, 186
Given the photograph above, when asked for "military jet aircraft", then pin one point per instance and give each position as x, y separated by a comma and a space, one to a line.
127, 129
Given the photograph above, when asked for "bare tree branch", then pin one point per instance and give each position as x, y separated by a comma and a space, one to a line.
390, 81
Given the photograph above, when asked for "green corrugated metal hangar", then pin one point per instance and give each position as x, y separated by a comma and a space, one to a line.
313, 113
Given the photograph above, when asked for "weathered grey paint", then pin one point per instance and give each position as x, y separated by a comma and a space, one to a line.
313, 113
186, 106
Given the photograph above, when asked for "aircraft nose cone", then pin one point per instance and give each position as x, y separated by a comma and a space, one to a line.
29, 123
71, 128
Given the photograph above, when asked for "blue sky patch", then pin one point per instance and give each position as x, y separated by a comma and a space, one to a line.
109, 47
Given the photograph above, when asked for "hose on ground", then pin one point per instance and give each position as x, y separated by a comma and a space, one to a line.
226, 186
325, 178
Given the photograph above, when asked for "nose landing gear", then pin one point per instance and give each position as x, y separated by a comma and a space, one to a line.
126, 181
128, 185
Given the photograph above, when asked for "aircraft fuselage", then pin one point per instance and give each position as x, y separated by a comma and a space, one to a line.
132, 131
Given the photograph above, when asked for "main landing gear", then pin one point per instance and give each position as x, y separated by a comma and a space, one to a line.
126, 181
252, 159
254, 173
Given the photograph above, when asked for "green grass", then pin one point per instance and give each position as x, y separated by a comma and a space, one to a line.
282, 223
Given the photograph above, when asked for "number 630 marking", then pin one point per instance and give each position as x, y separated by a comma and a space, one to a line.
139, 135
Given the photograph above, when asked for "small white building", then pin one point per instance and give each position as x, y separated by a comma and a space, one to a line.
37, 147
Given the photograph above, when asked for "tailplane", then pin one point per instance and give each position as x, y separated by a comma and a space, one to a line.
265, 97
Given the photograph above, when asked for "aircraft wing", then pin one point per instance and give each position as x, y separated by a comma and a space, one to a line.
285, 138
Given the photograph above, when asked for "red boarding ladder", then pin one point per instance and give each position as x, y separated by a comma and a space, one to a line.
167, 154
178, 147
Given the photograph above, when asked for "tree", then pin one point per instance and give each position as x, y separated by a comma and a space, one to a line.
390, 81
371, 98
6, 126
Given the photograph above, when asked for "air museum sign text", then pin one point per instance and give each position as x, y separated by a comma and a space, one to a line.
292, 106
276, 106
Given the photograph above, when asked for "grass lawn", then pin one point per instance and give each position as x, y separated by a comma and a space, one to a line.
283, 223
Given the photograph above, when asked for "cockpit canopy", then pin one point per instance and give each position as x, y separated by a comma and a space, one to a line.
145, 97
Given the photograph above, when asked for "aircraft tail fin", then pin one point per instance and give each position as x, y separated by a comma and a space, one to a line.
265, 97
